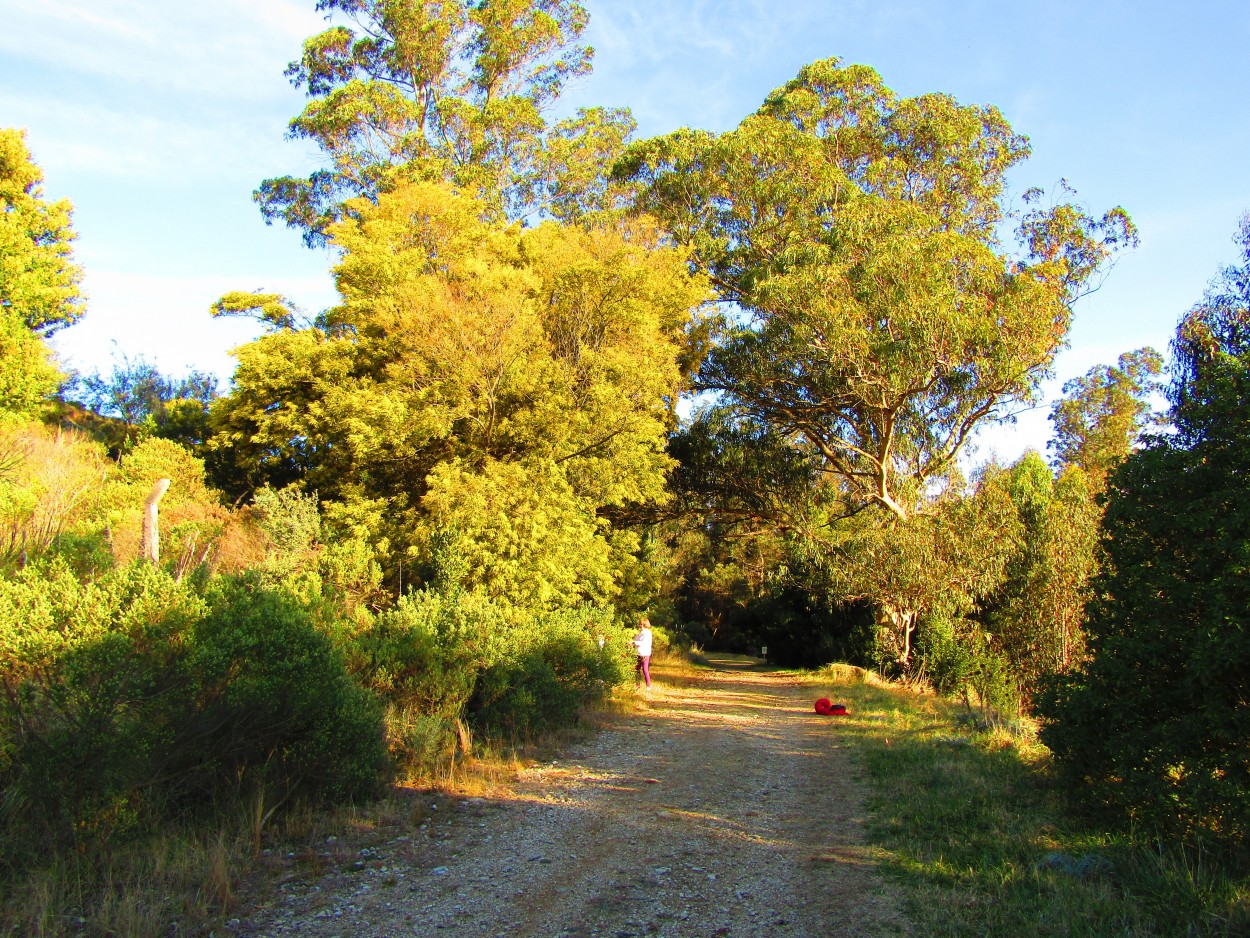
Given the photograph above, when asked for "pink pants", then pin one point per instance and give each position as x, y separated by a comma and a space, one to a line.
643, 667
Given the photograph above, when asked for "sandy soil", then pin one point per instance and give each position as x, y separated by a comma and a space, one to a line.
721, 805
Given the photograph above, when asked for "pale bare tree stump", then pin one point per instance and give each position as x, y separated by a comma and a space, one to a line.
151, 544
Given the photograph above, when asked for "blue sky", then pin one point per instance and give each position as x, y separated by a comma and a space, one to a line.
157, 120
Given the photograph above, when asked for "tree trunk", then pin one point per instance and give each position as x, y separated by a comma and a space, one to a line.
150, 547
897, 625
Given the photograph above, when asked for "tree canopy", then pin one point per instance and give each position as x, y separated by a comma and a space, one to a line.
1102, 415
476, 374
39, 281
27, 374
38, 278
458, 91
880, 321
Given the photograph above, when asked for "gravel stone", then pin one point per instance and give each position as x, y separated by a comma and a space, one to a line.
727, 809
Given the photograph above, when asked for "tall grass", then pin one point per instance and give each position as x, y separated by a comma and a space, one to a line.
186, 876
984, 842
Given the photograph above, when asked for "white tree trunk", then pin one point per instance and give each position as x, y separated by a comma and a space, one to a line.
897, 625
150, 547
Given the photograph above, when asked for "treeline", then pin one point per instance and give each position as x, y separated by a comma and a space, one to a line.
436, 508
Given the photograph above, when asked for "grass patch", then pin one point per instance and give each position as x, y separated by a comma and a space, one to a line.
187, 877
984, 842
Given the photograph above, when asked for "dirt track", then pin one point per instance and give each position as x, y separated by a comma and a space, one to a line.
722, 806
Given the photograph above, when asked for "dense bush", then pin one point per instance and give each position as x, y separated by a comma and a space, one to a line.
1157, 722
547, 671
441, 658
957, 657
426, 651
1156, 725
422, 657
92, 679
271, 701
131, 697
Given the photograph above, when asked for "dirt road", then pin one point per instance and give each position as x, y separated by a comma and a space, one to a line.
723, 806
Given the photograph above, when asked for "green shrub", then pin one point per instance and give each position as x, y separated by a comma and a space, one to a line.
271, 701
87, 554
89, 673
420, 743
1155, 725
131, 697
957, 657
944, 661
441, 658
426, 651
550, 669
423, 657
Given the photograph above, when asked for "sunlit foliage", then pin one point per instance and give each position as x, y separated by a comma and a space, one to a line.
459, 91
507, 382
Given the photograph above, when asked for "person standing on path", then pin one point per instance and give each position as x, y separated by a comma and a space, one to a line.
642, 645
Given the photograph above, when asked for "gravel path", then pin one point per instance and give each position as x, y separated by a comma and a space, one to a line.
723, 806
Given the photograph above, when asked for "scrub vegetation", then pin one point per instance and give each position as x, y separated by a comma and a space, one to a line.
423, 522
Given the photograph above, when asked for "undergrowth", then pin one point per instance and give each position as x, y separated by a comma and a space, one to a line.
984, 841
192, 878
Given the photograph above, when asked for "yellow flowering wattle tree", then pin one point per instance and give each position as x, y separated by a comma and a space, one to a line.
511, 384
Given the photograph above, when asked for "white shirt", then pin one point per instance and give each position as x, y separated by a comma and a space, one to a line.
642, 641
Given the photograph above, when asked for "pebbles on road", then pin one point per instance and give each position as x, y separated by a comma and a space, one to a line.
724, 808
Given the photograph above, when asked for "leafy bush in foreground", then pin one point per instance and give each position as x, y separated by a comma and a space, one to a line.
440, 658
130, 698
548, 670
270, 697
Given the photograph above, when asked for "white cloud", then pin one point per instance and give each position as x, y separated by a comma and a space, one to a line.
154, 90
228, 49
73, 136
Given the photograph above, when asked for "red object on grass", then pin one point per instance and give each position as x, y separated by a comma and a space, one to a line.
827, 709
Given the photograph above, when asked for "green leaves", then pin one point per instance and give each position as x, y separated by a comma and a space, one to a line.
1102, 415
423, 90
1068, 248
1156, 722
947, 159
274, 310
476, 369
525, 536
879, 320
38, 277
858, 232
27, 375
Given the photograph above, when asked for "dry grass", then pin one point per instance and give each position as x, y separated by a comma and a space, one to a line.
200, 877
188, 877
